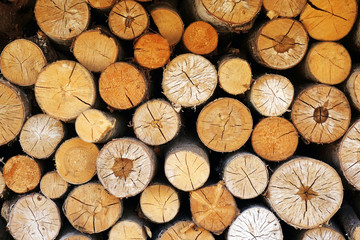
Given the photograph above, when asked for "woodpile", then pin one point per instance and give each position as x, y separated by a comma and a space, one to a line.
179, 119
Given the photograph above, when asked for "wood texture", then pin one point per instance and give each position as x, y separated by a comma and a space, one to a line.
200, 38
284, 8
322, 233
103, 5
185, 230
349, 221
53, 186
353, 87
127, 229
2, 185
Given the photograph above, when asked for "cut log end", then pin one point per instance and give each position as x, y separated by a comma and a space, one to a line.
2, 185
186, 230
53, 186
353, 87
127, 230
322, 233
102, 4
284, 8
200, 38
75, 236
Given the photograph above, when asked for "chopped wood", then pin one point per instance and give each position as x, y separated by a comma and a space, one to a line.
349, 221
353, 87
200, 38
185, 230
74, 235
322, 233
127, 230
103, 5
53, 186
2, 185
284, 8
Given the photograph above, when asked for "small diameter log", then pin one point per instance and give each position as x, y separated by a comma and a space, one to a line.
321, 114
125, 166
75, 160
53, 186
283, 8
274, 139
200, 38
245, 175
353, 87
21, 174
96, 126
96, 49
2, 185
40, 136
156, 122
349, 221
235, 75
185, 230
122, 86
128, 19
187, 167
14, 108
327, 62
189, 80
279, 44
21, 61
64, 89
329, 20
74, 235
127, 229
62, 20
255, 223
34, 217
271, 95
91, 209
103, 5
224, 125
305, 192
322, 233
213, 208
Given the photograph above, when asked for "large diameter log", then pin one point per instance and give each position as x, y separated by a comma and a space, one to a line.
64, 89
127, 229
34, 217
125, 166
321, 114
349, 221
329, 20
305, 192
185, 230
279, 44
224, 125
91, 209
53, 186
322, 233
21, 61
353, 87
284, 8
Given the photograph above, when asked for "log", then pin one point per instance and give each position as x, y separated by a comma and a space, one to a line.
279, 44
284, 8
14, 108
43, 42
213, 208
125, 166
62, 20
40, 136
271, 95
274, 139
96, 49
34, 217
329, 20
64, 89
327, 62
122, 86
255, 223
127, 229
21, 174
74, 235
245, 175
21, 61
156, 122
321, 114
128, 19
2, 185
185, 230
224, 125
189, 80
103, 5
53, 186
75, 160
322, 233
91, 209
349, 221
151, 51
305, 193
352, 87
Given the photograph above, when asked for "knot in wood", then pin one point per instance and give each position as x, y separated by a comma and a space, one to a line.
283, 43
321, 114
156, 123
122, 167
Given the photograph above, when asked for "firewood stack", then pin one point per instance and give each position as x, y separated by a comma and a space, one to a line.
179, 119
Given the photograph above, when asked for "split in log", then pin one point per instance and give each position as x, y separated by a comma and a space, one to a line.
96, 49
321, 114
245, 175
235, 75
156, 122
328, 62
353, 87
224, 125
91, 209
274, 139
271, 95
40, 136
14, 108
284, 8
34, 217
128, 19
187, 167
213, 208
189, 80
2, 185
103, 5
186, 230
122, 86
53, 186
21, 61
64, 89
75, 160
279, 44
329, 20
305, 192
62, 20
349, 221
322, 233
127, 230
256, 223
21, 174
125, 166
